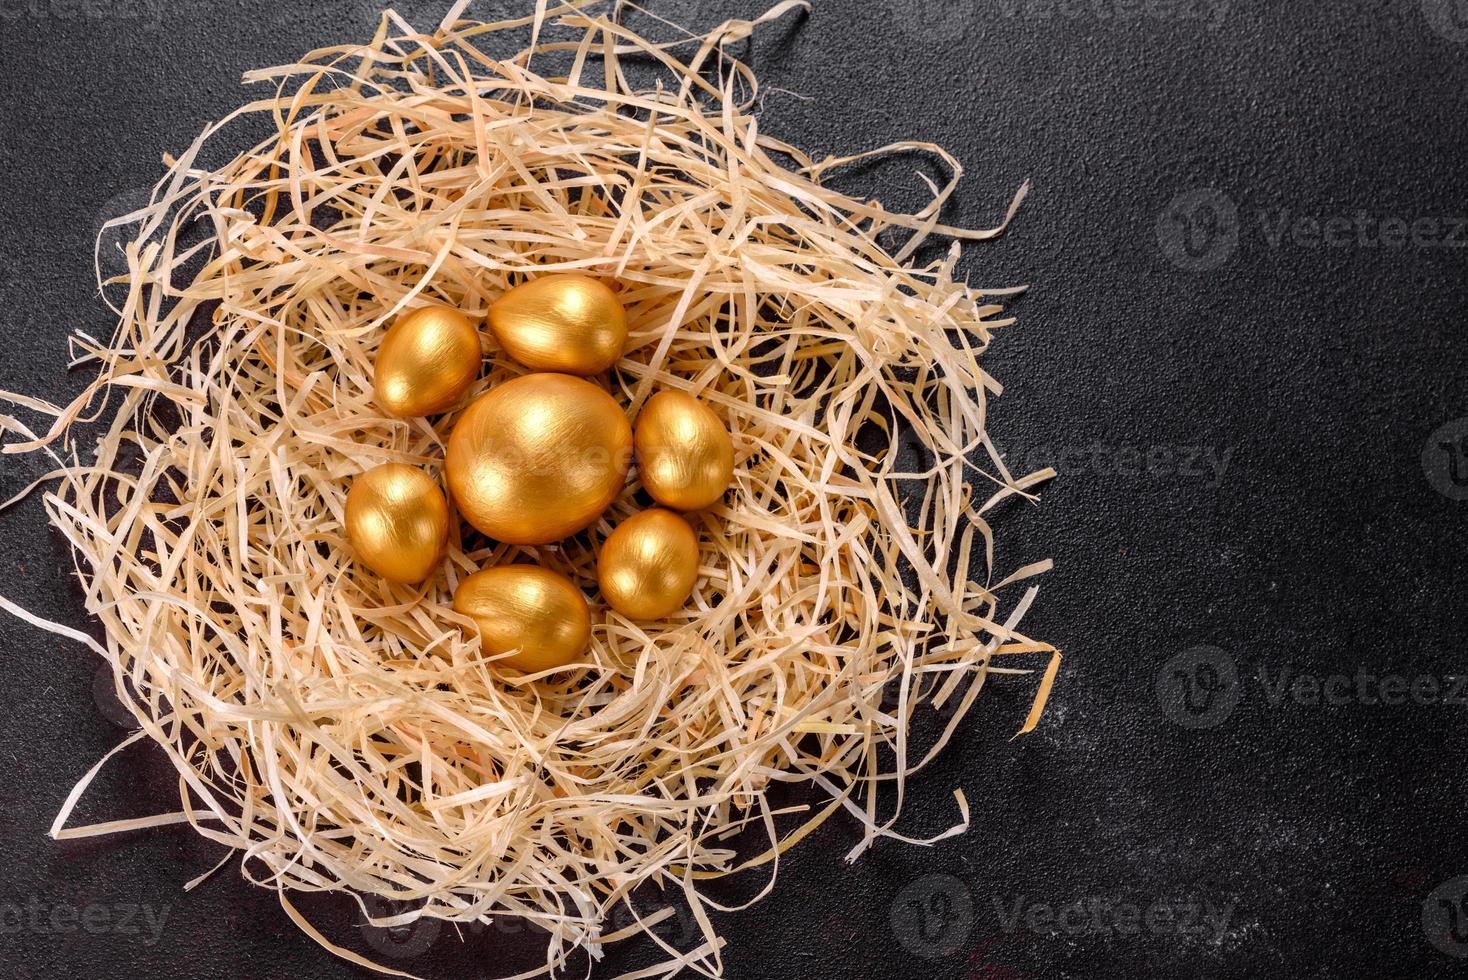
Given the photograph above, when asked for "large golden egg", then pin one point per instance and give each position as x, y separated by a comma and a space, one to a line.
648, 565
397, 521
528, 609
427, 361
684, 454
538, 458
568, 323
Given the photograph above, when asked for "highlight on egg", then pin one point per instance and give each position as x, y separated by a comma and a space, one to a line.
397, 521
568, 323
426, 362
538, 458
648, 565
684, 454
537, 613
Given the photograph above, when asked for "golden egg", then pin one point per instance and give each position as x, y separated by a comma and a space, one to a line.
684, 454
427, 361
648, 565
397, 521
568, 323
538, 458
530, 609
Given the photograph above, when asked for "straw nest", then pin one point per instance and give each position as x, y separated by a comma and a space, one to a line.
345, 733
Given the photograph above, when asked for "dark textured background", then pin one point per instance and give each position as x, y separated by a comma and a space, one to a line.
1254, 487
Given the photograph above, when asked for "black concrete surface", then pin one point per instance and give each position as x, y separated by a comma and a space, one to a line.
1244, 349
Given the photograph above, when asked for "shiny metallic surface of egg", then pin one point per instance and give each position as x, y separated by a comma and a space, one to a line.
427, 361
684, 454
648, 564
538, 458
567, 323
528, 609
397, 521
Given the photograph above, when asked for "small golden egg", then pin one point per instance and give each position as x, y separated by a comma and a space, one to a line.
530, 609
684, 454
397, 521
568, 323
427, 361
648, 565
538, 458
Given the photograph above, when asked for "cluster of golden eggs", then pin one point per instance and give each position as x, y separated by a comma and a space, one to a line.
535, 460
